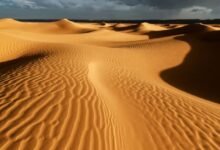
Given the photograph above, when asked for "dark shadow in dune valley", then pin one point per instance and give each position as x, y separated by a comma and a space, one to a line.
199, 73
11, 66
187, 29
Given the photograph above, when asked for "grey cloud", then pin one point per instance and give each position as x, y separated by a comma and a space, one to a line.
198, 9
62, 3
160, 4
21, 3
113, 9
195, 12
171, 4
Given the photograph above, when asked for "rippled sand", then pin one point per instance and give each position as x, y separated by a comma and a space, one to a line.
90, 86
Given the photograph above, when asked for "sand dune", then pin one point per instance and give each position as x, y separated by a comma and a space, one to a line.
141, 28
187, 29
63, 26
82, 86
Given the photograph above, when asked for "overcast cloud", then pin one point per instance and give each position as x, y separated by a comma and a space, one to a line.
110, 9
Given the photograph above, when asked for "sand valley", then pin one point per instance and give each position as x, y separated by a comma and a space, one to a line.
109, 86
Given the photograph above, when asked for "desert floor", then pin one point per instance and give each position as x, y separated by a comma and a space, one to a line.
109, 86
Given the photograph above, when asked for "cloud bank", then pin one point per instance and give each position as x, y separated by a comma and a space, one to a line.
195, 12
112, 9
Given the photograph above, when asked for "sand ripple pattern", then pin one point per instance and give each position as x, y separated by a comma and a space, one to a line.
72, 86
47, 105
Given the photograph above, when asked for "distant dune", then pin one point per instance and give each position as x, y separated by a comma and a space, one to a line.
109, 86
187, 29
139, 28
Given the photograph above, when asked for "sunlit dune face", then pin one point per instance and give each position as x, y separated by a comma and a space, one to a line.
109, 86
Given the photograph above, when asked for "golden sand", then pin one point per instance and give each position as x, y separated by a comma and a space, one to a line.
89, 86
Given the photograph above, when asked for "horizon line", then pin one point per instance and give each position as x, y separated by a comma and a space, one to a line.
217, 20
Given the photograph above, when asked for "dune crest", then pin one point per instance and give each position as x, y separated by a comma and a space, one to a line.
187, 29
74, 27
8, 20
140, 28
80, 86
146, 27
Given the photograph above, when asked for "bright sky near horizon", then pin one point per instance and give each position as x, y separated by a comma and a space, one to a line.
110, 9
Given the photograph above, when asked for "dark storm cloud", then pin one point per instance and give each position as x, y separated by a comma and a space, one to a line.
170, 4
160, 4
112, 9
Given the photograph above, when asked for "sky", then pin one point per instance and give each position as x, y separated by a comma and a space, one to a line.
110, 9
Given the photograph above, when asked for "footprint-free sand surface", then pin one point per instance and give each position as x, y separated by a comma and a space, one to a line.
109, 86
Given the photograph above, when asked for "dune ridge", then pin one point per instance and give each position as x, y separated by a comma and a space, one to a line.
187, 29
68, 85
140, 28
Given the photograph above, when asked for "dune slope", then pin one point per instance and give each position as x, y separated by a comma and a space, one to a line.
101, 89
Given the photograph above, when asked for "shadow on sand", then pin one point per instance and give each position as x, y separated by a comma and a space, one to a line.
188, 29
10, 66
199, 74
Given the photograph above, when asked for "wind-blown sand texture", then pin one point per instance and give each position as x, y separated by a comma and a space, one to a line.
107, 86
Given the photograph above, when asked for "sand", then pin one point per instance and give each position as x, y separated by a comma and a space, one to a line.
103, 86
